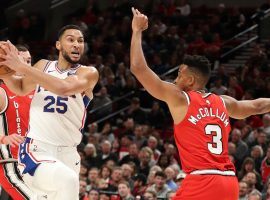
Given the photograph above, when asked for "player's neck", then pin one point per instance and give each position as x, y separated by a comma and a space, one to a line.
63, 64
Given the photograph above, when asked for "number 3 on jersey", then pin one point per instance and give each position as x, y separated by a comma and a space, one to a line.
59, 104
216, 146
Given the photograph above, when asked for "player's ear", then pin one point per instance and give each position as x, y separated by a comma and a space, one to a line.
57, 45
191, 80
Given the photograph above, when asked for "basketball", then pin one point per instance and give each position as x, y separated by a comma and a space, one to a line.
5, 70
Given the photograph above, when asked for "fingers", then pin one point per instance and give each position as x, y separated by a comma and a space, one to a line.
14, 140
11, 46
2, 56
135, 11
5, 47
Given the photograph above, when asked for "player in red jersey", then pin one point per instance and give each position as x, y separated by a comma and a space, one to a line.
201, 121
13, 123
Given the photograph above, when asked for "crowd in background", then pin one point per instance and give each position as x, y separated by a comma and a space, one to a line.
133, 154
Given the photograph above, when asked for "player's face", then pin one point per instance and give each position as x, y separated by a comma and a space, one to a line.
26, 57
182, 79
71, 45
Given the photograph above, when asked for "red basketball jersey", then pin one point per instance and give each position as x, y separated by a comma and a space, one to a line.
202, 136
14, 119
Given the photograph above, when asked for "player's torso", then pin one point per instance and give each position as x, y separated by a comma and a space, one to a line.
202, 137
15, 118
57, 119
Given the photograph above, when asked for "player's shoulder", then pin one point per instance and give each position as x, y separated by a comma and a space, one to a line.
90, 70
41, 64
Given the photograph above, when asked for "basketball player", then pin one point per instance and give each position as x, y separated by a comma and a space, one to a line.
63, 89
14, 120
201, 121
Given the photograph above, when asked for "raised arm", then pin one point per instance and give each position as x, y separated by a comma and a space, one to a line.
246, 108
23, 85
83, 80
151, 82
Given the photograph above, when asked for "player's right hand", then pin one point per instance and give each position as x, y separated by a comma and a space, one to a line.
13, 140
139, 21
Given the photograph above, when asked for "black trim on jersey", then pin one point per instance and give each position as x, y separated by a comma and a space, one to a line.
7, 103
14, 184
6, 133
187, 95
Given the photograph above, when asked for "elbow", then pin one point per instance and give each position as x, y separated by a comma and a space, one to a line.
62, 90
135, 68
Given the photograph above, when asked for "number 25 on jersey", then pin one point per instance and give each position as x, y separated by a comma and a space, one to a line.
55, 104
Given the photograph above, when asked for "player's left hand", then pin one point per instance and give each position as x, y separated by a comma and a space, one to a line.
139, 21
12, 58
13, 140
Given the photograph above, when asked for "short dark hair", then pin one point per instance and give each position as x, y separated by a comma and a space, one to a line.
199, 64
67, 27
21, 47
161, 174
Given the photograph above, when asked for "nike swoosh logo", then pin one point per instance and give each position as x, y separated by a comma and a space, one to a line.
77, 163
51, 71
12, 97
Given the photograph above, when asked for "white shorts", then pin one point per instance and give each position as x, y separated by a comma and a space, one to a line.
47, 169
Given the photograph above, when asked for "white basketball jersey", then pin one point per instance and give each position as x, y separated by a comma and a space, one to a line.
55, 119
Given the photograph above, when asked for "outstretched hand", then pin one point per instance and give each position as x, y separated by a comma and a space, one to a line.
12, 58
139, 21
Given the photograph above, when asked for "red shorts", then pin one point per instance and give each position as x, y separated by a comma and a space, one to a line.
208, 187
11, 181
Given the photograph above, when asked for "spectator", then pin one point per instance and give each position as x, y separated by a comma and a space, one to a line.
266, 124
243, 192
170, 179
102, 103
159, 187
124, 191
116, 178
106, 133
156, 116
139, 185
139, 138
82, 191
105, 172
179, 178
92, 179
136, 112
152, 143
218, 88
105, 154
90, 154
127, 174
132, 155
255, 195
257, 155
93, 194
145, 157
265, 166
150, 195
241, 147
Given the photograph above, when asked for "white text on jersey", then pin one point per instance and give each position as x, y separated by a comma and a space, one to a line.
209, 112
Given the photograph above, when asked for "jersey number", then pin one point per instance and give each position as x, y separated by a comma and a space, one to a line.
215, 146
59, 104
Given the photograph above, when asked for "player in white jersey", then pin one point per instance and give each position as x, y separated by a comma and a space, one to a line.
63, 88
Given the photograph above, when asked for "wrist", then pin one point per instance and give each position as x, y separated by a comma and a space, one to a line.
137, 32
